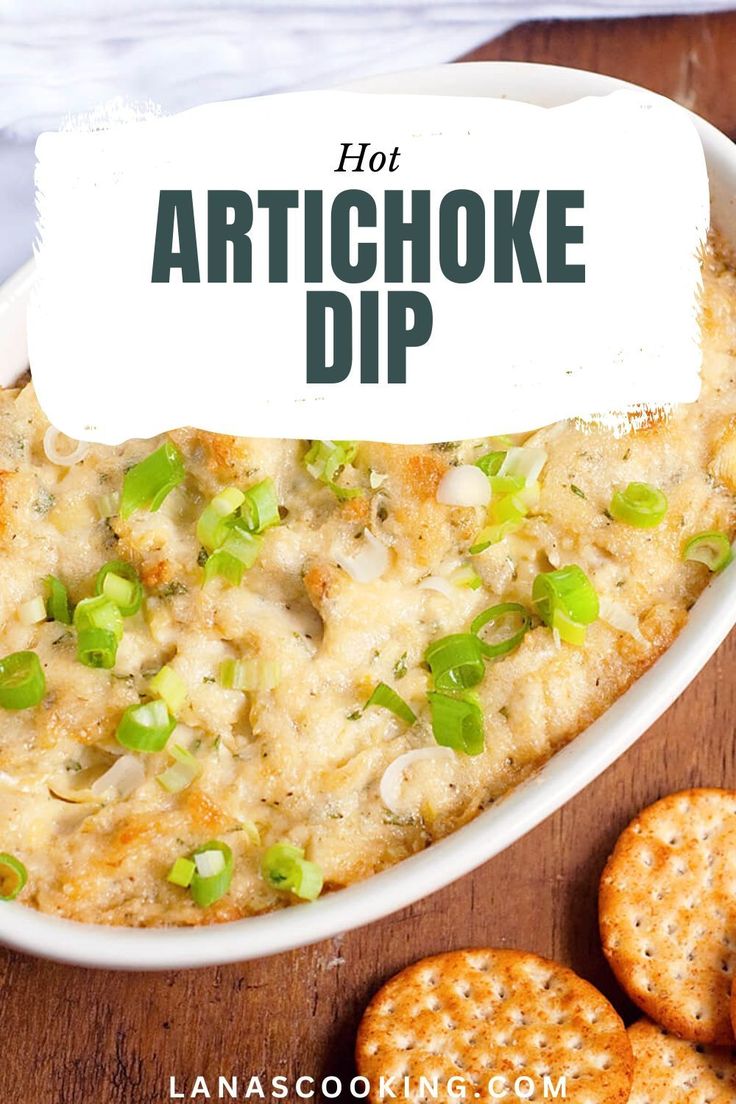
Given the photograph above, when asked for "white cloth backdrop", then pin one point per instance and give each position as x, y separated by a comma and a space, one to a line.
66, 56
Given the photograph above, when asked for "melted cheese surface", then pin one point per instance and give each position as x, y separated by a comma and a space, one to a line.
303, 762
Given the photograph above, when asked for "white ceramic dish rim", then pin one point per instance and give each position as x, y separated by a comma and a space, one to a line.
523, 808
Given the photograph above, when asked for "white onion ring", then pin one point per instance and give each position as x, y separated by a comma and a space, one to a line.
436, 582
370, 563
125, 775
465, 485
63, 459
393, 776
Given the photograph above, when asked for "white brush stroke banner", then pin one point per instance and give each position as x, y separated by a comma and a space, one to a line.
116, 356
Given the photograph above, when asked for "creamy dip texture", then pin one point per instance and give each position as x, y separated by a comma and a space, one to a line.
370, 565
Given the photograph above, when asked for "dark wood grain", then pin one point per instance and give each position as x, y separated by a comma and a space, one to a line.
71, 1036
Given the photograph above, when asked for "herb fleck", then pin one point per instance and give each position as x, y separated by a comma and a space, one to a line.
400, 666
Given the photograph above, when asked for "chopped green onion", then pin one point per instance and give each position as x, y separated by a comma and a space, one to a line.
97, 648
384, 696
57, 602
22, 681
119, 582
222, 565
572, 632
212, 876
523, 463
243, 545
712, 549
308, 881
466, 576
456, 661
99, 612
171, 687
249, 674
260, 510
505, 516
182, 772
181, 873
217, 517
326, 459
457, 723
239, 551
510, 507
497, 613
33, 611
145, 727
13, 876
492, 534
146, 485
491, 462
284, 867
566, 600
640, 505
507, 484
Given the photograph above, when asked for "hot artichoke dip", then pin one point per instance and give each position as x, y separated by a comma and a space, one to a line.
239, 673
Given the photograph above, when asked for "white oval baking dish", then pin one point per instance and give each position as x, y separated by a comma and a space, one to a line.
522, 809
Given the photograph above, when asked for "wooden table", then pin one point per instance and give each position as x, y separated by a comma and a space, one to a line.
70, 1036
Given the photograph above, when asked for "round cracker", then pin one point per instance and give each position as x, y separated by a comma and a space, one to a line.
667, 915
667, 1069
482, 1013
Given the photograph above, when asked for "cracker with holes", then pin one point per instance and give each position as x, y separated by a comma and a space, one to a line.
482, 1014
668, 912
668, 1069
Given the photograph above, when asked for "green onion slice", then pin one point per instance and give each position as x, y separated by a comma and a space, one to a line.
640, 505
260, 509
145, 727
456, 661
22, 681
566, 600
492, 534
243, 545
492, 616
57, 601
171, 687
457, 722
505, 515
213, 873
249, 674
324, 460
99, 612
384, 696
308, 881
146, 485
466, 576
490, 462
507, 484
119, 582
217, 517
524, 464
183, 771
97, 648
13, 876
181, 873
712, 549
284, 867
222, 565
